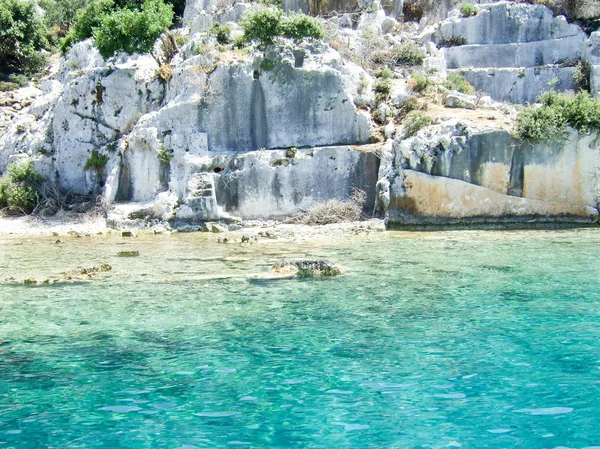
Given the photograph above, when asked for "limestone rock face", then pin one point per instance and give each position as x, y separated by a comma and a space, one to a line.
453, 174
506, 23
433, 200
239, 108
252, 134
163, 137
268, 185
593, 57
202, 20
513, 52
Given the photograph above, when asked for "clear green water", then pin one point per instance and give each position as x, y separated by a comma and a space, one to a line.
453, 339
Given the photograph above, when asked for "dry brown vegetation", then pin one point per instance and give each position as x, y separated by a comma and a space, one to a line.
333, 211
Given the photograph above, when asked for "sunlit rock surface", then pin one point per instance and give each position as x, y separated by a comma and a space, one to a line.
451, 173
251, 134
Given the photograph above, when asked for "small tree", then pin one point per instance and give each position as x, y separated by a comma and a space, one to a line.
300, 26
87, 19
22, 35
221, 32
262, 26
132, 31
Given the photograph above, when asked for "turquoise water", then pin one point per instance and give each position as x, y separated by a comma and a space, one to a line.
430, 340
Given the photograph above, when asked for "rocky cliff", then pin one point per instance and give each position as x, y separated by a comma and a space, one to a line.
456, 174
265, 134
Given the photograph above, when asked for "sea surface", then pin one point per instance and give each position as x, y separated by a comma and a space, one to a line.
472, 339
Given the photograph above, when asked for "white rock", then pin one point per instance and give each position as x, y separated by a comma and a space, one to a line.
387, 25
389, 130
399, 93
454, 99
346, 21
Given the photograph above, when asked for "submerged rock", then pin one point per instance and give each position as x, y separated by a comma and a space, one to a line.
128, 253
307, 268
81, 274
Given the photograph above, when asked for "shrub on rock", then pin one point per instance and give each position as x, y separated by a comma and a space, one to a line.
87, 19
468, 10
455, 81
132, 31
300, 26
409, 54
550, 120
264, 25
414, 122
20, 188
221, 32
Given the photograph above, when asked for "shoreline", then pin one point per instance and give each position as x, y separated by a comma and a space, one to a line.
78, 224
69, 223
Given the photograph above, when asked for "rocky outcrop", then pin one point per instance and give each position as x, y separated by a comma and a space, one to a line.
513, 52
229, 135
163, 140
453, 174
593, 57
262, 184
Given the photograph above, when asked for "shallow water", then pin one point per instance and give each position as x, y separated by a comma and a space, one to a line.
430, 340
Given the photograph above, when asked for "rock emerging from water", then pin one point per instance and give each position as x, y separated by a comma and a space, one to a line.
307, 268
128, 253
81, 274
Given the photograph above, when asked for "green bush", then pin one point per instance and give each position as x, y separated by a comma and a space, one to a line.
419, 82
264, 25
164, 156
132, 31
455, 81
221, 32
300, 26
22, 36
468, 10
19, 188
416, 121
13, 82
383, 87
557, 112
96, 161
409, 54
131, 26
386, 73
582, 76
87, 19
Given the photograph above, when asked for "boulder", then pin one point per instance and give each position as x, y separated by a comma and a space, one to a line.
454, 99
432, 200
387, 25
